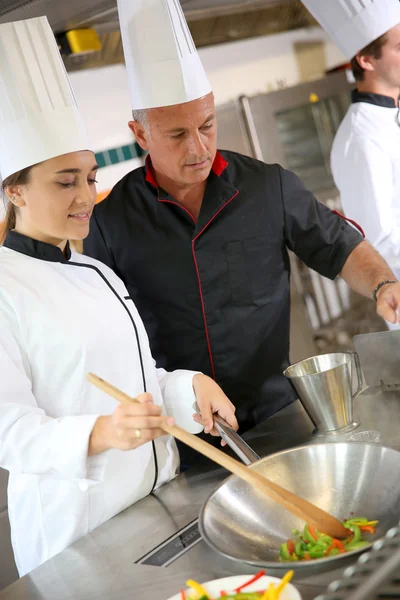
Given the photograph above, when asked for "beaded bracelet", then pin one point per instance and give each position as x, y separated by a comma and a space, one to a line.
378, 287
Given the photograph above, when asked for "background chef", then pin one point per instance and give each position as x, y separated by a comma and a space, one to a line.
63, 315
365, 155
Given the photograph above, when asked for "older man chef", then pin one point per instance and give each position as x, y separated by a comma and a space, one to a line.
63, 315
366, 151
212, 228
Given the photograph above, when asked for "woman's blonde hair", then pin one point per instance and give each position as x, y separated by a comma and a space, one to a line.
19, 178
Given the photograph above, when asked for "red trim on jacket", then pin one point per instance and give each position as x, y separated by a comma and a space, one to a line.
180, 206
149, 172
218, 167
217, 213
203, 310
199, 283
360, 229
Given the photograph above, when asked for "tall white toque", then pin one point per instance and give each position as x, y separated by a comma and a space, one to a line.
39, 118
162, 62
353, 24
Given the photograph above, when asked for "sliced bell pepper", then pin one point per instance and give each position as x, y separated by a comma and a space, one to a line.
183, 595
299, 549
368, 528
326, 539
198, 589
322, 544
313, 532
336, 544
356, 531
308, 536
357, 520
284, 552
256, 577
285, 580
290, 546
270, 593
317, 552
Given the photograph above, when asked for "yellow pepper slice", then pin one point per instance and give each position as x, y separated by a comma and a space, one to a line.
270, 593
197, 588
283, 583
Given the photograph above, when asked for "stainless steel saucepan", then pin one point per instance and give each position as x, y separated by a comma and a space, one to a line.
343, 478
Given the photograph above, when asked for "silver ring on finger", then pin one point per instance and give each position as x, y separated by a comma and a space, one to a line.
138, 434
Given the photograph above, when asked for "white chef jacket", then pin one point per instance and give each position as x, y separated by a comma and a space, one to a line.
60, 319
365, 163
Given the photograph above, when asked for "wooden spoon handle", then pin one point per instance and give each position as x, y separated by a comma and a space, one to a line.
308, 512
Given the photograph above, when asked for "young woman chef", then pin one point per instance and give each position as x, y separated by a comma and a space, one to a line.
63, 315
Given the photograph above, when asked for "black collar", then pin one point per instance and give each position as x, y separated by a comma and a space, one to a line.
370, 98
30, 247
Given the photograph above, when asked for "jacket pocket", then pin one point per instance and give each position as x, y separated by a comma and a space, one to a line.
254, 266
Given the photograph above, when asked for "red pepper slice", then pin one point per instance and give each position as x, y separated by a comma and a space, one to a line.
340, 546
252, 580
312, 531
222, 594
183, 595
368, 528
336, 544
290, 547
306, 556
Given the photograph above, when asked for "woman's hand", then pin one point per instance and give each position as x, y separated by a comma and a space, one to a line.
211, 399
130, 426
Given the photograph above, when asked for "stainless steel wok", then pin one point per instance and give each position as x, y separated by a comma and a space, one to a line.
343, 478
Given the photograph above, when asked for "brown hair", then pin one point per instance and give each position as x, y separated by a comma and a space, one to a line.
373, 49
19, 178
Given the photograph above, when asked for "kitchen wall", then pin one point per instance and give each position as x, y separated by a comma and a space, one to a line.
246, 67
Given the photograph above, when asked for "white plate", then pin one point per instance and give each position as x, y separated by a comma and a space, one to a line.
229, 584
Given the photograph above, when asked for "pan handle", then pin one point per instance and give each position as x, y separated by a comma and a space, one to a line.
360, 380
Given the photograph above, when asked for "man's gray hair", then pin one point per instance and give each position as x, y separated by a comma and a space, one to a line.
141, 117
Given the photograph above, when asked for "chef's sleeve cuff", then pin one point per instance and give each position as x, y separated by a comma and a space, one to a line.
180, 399
69, 446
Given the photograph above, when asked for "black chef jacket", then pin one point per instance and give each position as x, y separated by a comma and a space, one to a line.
214, 293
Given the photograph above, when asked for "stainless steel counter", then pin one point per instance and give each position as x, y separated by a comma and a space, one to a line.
102, 565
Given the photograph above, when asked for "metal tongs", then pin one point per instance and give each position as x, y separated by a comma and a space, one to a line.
233, 439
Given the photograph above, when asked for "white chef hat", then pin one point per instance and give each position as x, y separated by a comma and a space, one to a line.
39, 118
353, 24
163, 65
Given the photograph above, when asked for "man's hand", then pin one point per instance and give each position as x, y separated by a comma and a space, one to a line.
363, 270
388, 302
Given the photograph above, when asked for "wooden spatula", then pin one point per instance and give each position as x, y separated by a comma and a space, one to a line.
309, 513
